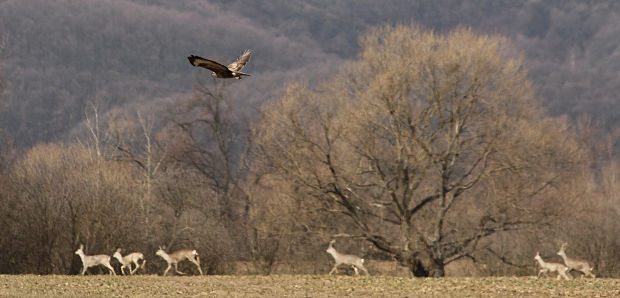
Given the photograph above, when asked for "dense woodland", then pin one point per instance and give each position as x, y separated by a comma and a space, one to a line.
450, 137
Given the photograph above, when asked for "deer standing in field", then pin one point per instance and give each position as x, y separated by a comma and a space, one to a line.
126, 261
355, 261
551, 267
91, 261
574, 264
178, 256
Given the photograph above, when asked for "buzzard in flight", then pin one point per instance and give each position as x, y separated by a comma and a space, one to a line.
233, 70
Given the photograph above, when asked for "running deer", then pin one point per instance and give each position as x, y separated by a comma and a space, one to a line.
91, 261
178, 256
551, 267
574, 264
355, 261
126, 261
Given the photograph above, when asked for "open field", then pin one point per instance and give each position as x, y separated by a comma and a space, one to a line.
298, 286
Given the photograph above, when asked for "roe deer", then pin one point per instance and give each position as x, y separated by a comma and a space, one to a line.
178, 256
551, 267
126, 261
355, 261
574, 264
91, 261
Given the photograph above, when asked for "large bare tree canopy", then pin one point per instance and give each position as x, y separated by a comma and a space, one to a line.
428, 143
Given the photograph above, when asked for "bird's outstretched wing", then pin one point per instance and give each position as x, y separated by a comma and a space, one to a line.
209, 64
241, 62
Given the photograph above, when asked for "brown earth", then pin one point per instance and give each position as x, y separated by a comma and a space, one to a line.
298, 286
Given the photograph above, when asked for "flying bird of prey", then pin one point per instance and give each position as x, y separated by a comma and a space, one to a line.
233, 70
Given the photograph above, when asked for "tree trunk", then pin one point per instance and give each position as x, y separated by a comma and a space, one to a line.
421, 265
410, 260
436, 269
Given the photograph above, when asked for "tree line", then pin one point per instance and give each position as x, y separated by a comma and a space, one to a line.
429, 150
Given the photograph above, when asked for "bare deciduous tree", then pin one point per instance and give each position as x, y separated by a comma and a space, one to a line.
210, 134
138, 144
211, 139
65, 195
427, 144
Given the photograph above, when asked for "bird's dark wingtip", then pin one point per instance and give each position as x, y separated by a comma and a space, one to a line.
191, 59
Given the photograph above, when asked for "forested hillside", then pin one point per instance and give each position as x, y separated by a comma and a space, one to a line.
62, 54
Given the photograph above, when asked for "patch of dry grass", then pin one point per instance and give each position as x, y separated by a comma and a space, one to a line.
298, 286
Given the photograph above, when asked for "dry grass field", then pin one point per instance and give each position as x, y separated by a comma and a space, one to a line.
299, 286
